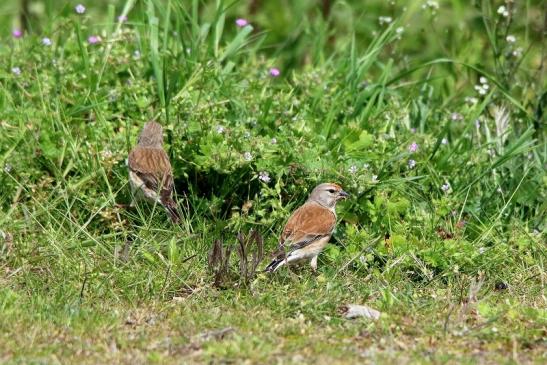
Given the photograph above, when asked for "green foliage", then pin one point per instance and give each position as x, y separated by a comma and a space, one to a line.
433, 121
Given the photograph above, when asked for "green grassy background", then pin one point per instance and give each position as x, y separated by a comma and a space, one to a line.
458, 275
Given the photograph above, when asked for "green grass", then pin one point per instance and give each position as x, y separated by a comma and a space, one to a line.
459, 275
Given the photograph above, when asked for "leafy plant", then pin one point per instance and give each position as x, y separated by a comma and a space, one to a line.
250, 253
219, 263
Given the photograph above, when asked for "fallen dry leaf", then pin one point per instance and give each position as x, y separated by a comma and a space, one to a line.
351, 311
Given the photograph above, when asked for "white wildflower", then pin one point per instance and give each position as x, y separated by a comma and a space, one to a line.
264, 176
411, 164
385, 20
432, 5
456, 116
80, 9
503, 11
481, 89
471, 100
517, 52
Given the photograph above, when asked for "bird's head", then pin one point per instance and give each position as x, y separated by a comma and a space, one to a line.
151, 135
328, 194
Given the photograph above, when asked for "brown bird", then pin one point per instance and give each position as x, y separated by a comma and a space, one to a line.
150, 173
309, 228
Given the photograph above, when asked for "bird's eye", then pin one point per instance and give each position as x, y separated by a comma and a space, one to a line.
332, 191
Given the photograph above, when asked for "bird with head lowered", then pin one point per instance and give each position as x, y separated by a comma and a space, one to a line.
150, 173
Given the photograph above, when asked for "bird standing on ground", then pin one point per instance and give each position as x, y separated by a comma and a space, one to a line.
150, 173
309, 228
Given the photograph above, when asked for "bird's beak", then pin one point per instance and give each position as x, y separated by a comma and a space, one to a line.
342, 194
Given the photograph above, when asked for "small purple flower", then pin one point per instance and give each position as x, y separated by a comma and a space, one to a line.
17, 33
242, 22
413, 147
444, 141
274, 72
411, 164
80, 9
413, 130
46, 41
16, 71
445, 187
264, 176
122, 19
93, 39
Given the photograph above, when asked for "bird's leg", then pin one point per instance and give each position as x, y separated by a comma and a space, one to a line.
313, 263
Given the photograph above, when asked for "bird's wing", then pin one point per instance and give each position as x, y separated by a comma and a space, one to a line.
153, 167
306, 225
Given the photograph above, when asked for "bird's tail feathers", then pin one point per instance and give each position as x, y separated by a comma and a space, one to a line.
275, 264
